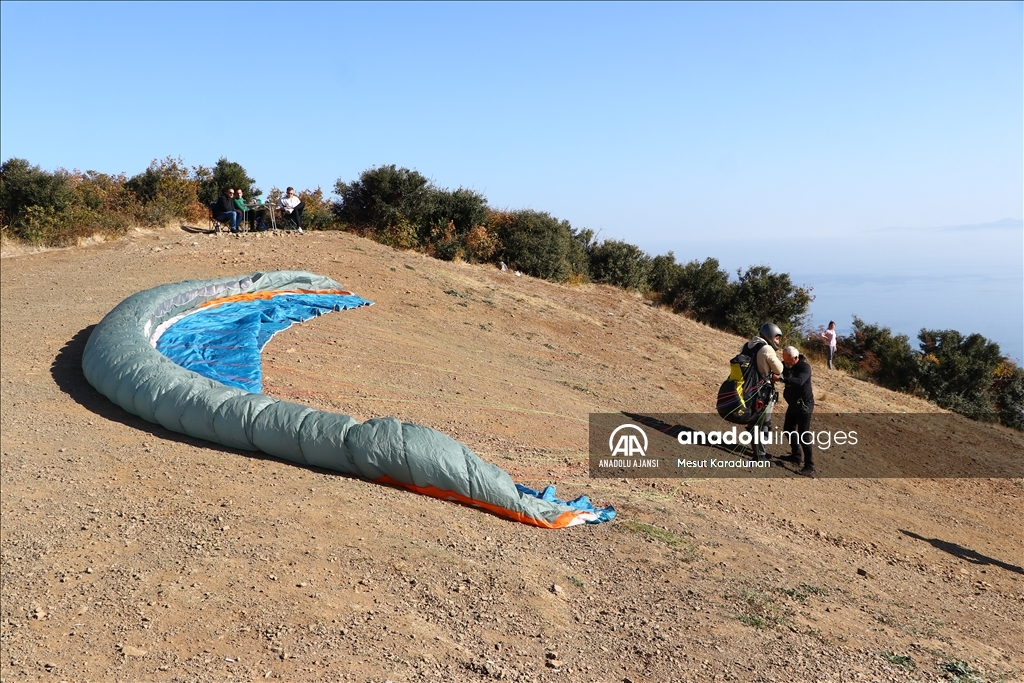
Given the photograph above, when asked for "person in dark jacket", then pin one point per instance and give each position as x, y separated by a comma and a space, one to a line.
224, 210
799, 397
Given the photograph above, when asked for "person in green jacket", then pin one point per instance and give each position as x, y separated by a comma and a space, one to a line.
255, 215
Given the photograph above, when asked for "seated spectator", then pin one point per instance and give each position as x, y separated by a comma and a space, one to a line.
256, 214
292, 207
224, 210
239, 201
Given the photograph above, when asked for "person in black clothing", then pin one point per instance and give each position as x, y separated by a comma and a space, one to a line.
225, 212
799, 397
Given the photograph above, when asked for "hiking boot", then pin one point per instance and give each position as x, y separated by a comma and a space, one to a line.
807, 472
791, 458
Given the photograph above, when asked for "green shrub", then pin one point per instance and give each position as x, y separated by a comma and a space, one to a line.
23, 185
402, 208
448, 219
166, 191
703, 292
905, 661
582, 242
877, 353
763, 296
664, 275
317, 212
537, 243
224, 174
961, 672
621, 264
442, 242
104, 193
480, 244
959, 372
387, 200
61, 207
967, 375
66, 227
45, 225
102, 204
1008, 393
463, 208
146, 185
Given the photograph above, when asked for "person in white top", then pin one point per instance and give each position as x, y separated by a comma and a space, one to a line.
830, 337
292, 207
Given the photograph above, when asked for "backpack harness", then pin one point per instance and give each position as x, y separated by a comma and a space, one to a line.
743, 397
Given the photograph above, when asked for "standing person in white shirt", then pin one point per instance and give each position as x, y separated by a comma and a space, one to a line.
830, 337
292, 206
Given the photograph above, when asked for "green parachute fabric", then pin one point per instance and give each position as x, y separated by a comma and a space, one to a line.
122, 362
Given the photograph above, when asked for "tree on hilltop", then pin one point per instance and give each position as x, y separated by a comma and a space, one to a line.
224, 174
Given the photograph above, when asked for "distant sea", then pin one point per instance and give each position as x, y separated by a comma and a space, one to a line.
968, 278
990, 305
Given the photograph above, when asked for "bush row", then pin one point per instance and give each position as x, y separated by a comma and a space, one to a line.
58, 208
404, 209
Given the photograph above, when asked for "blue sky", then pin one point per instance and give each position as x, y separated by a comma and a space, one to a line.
827, 140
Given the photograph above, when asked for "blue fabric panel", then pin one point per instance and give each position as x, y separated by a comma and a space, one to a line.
224, 342
582, 503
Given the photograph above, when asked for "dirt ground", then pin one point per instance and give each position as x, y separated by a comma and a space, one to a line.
131, 553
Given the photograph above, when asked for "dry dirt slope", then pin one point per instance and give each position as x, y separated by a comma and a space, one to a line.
132, 553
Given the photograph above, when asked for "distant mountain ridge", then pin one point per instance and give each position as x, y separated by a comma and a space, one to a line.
1002, 224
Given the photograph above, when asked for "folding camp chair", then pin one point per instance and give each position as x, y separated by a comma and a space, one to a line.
215, 225
292, 220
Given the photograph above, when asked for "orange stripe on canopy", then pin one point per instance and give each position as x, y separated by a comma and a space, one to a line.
563, 520
253, 296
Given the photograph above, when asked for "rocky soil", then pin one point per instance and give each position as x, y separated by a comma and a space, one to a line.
131, 553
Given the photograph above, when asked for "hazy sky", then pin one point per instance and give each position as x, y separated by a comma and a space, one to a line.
792, 134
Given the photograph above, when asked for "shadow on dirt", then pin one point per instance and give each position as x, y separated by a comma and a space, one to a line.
66, 371
197, 230
963, 553
675, 430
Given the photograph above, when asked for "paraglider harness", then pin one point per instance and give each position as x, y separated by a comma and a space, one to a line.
745, 395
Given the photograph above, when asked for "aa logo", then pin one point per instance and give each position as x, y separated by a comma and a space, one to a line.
628, 444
